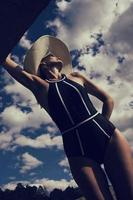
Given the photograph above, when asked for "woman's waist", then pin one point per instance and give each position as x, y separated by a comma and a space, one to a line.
78, 124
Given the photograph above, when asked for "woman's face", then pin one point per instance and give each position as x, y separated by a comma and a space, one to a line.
50, 63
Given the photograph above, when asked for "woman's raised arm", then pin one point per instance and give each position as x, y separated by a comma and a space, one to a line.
23, 77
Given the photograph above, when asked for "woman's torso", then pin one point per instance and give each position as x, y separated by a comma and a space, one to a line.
42, 91
66, 100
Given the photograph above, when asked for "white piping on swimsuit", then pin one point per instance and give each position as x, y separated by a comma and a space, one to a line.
80, 96
80, 143
69, 115
54, 81
101, 128
80, 123
88, 112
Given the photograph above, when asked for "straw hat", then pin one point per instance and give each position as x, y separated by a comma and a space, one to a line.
41, 48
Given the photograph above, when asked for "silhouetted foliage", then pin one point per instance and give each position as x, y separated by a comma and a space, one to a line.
56, 194
28, 192
72, 193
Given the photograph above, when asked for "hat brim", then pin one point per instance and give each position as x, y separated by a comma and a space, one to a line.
41, 48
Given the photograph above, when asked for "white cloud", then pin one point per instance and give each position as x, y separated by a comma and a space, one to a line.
42, 141
86, 17
13, 116
29, 162
52, 129
64, 162
66, 168
12, 185
16, 120
120, 33
63, 5
48, 183
52, 184
123, 5
66, 171
5, 140
25, 42
19, 92
119, 38
12, 139
22, 97
101, 64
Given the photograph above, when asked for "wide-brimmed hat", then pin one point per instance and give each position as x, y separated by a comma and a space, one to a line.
44, 46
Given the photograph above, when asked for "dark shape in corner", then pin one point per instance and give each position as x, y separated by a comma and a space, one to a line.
16, 16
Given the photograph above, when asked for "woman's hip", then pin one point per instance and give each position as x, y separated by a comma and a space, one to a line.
89, 140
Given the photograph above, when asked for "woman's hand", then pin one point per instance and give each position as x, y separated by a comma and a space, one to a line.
20, 75
9, 62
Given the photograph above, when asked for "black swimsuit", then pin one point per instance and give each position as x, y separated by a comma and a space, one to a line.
85, 131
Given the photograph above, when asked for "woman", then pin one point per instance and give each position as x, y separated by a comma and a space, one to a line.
89, 138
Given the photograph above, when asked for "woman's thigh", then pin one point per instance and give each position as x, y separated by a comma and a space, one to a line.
118, 165
90, 177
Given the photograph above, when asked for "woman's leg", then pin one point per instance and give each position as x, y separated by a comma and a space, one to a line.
90, 177
118, 165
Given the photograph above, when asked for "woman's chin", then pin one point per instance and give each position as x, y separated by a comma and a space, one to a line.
59, 66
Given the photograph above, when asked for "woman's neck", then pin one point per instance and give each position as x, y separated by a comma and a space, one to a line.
52, 75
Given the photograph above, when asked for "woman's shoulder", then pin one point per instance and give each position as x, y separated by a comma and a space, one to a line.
78, 75
81, 77
75, 74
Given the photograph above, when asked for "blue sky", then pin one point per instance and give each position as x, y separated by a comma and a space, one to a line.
99, 36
